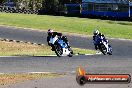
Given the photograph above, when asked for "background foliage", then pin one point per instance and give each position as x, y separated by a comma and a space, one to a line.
48, 6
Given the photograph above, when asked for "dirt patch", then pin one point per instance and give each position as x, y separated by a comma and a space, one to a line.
21, 77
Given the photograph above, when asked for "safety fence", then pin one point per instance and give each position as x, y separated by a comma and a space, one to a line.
8, 9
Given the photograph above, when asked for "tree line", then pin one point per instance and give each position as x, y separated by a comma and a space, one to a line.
24, 4
53, 6
45, 6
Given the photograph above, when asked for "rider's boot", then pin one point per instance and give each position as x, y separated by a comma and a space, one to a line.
52, 48
96, 47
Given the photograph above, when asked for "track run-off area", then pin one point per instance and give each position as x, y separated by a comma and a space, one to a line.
118, 63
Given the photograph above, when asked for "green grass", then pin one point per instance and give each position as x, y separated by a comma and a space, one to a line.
116, 29
83, 51
22, 49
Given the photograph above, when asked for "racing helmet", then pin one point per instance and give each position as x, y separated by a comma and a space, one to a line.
50, 31
96, 32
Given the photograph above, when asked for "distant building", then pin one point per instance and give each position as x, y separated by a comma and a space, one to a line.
9, 3
72, 9
107, 8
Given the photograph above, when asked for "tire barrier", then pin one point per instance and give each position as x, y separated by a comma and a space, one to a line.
8, 9
17, 41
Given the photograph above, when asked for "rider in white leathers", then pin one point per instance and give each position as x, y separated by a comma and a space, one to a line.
52, 36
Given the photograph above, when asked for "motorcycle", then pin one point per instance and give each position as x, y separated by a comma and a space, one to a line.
101, 44
61, 48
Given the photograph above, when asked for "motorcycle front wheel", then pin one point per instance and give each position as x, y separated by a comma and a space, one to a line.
58, 50
103, 49
71, 52
110, 50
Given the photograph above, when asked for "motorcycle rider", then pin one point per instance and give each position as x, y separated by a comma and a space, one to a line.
99, 37
52, 34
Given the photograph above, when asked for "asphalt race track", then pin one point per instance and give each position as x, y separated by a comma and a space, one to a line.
119, 62
120, 47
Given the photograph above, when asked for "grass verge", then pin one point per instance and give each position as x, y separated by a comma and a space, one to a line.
6, 79
19, 49
116, 29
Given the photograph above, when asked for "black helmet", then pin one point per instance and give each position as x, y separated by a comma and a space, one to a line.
50, 31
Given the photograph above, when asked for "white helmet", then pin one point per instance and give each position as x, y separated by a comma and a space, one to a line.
96, 32
50, 31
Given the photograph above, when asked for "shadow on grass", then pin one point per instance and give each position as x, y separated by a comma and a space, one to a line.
128, 19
